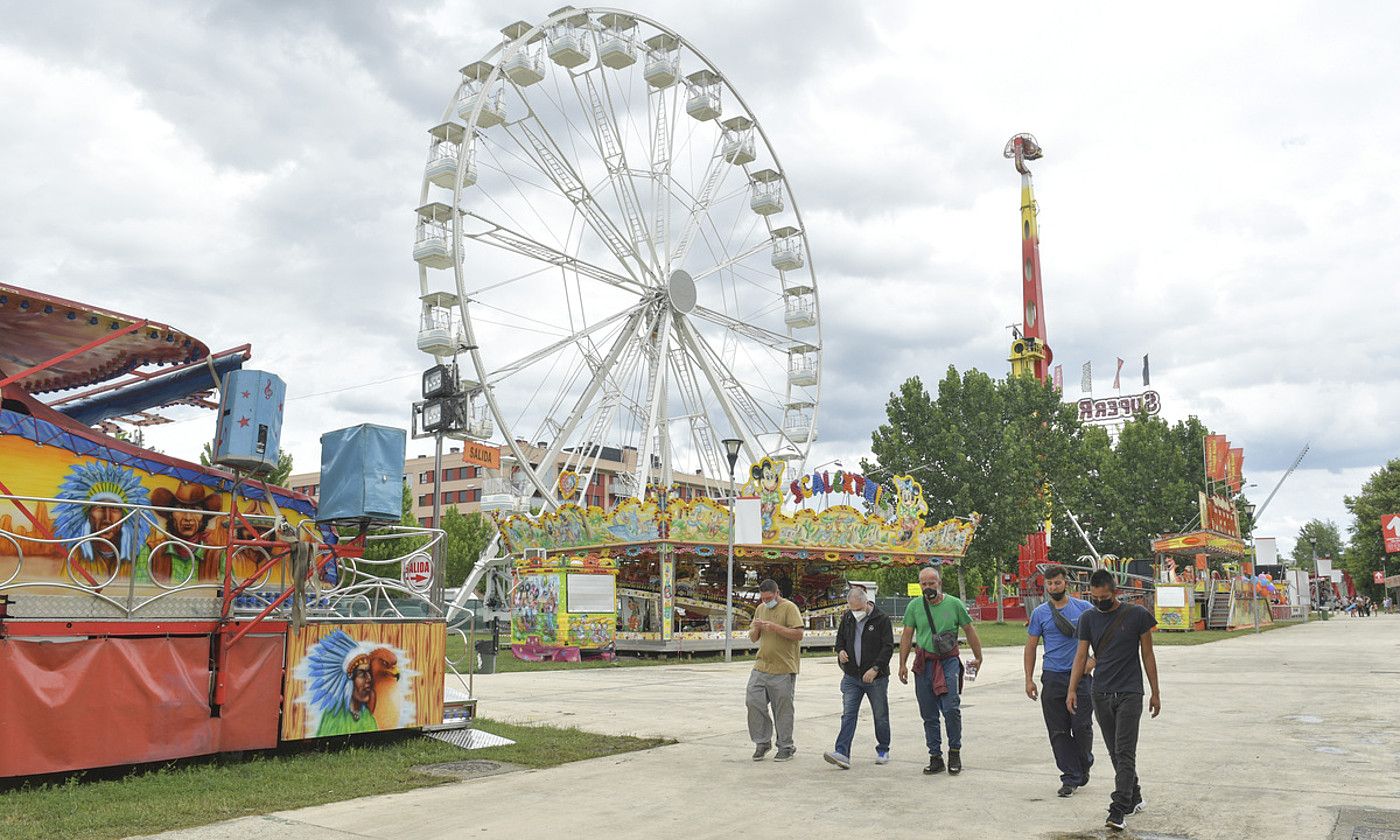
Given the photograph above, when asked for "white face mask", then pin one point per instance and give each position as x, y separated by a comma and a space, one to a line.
771, 604
858, 615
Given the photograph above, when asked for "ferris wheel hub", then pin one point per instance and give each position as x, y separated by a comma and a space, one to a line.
681, 291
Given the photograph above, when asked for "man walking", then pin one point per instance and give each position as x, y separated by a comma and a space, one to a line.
864, 645
1071, 735
934, 621
777, 627
1117, 633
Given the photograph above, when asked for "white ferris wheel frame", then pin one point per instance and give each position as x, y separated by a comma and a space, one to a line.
695, 345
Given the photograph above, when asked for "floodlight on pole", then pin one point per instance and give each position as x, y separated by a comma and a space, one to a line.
731, 451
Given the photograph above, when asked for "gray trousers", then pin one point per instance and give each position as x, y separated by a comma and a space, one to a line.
774, 690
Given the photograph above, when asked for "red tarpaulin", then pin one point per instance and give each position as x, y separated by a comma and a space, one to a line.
97, 702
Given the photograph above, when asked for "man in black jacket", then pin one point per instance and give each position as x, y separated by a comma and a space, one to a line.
864, 645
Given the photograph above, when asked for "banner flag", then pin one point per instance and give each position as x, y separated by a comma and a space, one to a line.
1217, 446
1234, 469
1146, 380
1059, 378
1117, 376
1086, 379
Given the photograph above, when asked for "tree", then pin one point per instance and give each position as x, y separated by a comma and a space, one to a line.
1011, 451
381, 550
1365, 552
277, 477
1326, 535
467, 535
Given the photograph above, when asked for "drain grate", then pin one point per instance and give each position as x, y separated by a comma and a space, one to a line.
1367, 824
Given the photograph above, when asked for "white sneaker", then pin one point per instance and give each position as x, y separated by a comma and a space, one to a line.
838, 759
882, 756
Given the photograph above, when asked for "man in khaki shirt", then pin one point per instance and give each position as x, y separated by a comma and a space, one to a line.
777, 627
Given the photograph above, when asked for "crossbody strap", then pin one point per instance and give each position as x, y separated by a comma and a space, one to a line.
1063, 624
1112, 628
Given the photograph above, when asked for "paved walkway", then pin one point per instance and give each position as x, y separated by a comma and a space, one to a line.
1264, 736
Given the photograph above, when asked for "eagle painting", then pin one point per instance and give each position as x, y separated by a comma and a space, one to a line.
355, 686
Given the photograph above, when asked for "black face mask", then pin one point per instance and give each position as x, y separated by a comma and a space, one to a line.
1057, 596
1106, 605
930, 592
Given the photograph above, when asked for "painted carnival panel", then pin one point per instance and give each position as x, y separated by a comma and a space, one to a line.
349, 678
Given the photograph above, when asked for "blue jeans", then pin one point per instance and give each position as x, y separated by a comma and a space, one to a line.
852, 690
931, 706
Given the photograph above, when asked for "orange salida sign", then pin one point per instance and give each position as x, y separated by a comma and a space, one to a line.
482, 455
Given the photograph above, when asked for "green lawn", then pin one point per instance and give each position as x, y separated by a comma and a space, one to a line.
1013, 633
506, 663
198, 792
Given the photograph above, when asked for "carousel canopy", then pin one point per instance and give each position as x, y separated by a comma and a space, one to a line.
77, 344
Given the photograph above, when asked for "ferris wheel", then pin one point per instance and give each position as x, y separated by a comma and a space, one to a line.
606, 234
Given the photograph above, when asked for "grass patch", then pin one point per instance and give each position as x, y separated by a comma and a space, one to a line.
1200, 637
506, 663
1013, 633
101, 805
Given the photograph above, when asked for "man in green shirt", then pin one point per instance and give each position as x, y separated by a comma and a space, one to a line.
777, 627
933, 621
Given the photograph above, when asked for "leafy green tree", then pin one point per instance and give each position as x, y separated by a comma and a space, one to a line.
1326, 535
466, 536
388, 549
1365, 552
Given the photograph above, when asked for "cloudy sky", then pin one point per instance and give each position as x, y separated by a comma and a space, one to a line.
1219, 190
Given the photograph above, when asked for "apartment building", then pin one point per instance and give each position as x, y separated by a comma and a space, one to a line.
470, 487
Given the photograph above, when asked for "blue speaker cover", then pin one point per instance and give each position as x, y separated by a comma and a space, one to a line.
250, 421
362, 474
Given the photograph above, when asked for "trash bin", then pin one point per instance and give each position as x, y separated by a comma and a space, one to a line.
486, 650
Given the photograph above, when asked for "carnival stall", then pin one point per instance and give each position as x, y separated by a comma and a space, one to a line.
156, 608
669, 556
1205, 579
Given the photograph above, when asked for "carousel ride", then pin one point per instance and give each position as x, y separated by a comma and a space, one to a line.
612, 259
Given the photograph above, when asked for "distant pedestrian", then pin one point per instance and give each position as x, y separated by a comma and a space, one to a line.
777, 627
1117, 633
864, 645
933, 622
1071, 733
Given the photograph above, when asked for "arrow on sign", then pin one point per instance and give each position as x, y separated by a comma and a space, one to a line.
1394, 525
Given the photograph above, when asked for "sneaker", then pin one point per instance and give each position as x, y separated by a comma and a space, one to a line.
760, 750
1065, 791
785, 754
838, 759
954, 762
935, 764
882, 756
1139, 806
1115, 820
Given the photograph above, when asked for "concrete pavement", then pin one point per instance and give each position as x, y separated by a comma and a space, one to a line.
1264, 736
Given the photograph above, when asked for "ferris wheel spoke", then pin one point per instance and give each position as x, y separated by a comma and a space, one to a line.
655, 358
730, 262
601, 117
503, 237
738, 393
573, 339
600, 376
690, 340
701, 431
776, 341
714, 174
554, 163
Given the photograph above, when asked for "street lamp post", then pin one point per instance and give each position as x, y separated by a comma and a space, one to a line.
731, 451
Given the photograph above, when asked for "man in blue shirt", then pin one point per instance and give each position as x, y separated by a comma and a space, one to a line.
1071, 735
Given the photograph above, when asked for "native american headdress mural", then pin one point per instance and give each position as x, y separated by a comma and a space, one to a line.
355, 686
96, 482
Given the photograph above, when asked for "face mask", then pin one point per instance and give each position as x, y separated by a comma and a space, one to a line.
1057, 596
930, 591
1106, 604
858, 615
771, 604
